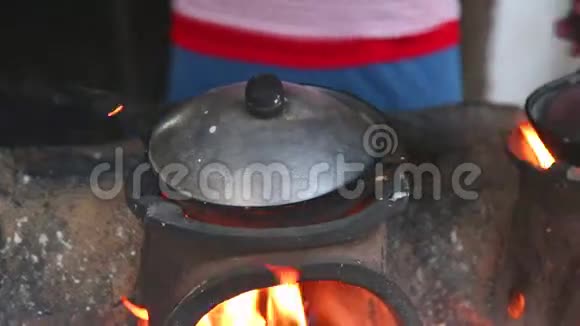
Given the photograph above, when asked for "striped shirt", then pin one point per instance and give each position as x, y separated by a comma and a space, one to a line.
316, 33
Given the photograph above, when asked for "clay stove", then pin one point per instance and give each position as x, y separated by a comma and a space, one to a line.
314, 261
189, 266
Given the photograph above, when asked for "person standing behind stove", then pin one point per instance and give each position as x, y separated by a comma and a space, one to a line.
395, 54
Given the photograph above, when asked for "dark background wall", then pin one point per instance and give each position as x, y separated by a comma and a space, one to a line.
90, 42
115, 45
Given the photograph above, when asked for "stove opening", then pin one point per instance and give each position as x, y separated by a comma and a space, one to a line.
306, 303
303, 294
301, 303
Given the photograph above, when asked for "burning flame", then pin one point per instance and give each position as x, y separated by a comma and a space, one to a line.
137, 311
284, 306
243, 307
525, 144
116, 111
285, 300
517, 305
543, 156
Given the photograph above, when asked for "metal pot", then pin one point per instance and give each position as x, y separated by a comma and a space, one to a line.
266, 146
225, 135
554, 111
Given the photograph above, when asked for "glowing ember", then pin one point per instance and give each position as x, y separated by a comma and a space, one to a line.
116, 111
284, 306
517, 305
543, 155
137, 311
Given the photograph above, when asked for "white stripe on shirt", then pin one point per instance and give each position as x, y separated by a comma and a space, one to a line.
324, 18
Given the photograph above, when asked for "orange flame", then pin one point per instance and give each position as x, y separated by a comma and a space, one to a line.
517, 305
137, 311
543, 157
525, 143
116, 111
284, 305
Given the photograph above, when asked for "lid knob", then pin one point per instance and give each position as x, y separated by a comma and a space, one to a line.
264, 96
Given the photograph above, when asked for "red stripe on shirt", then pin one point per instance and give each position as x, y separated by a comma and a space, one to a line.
236, 44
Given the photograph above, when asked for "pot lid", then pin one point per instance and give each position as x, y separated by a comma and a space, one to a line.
264, 143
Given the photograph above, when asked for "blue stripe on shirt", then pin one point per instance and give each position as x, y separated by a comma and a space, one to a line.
419, 83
